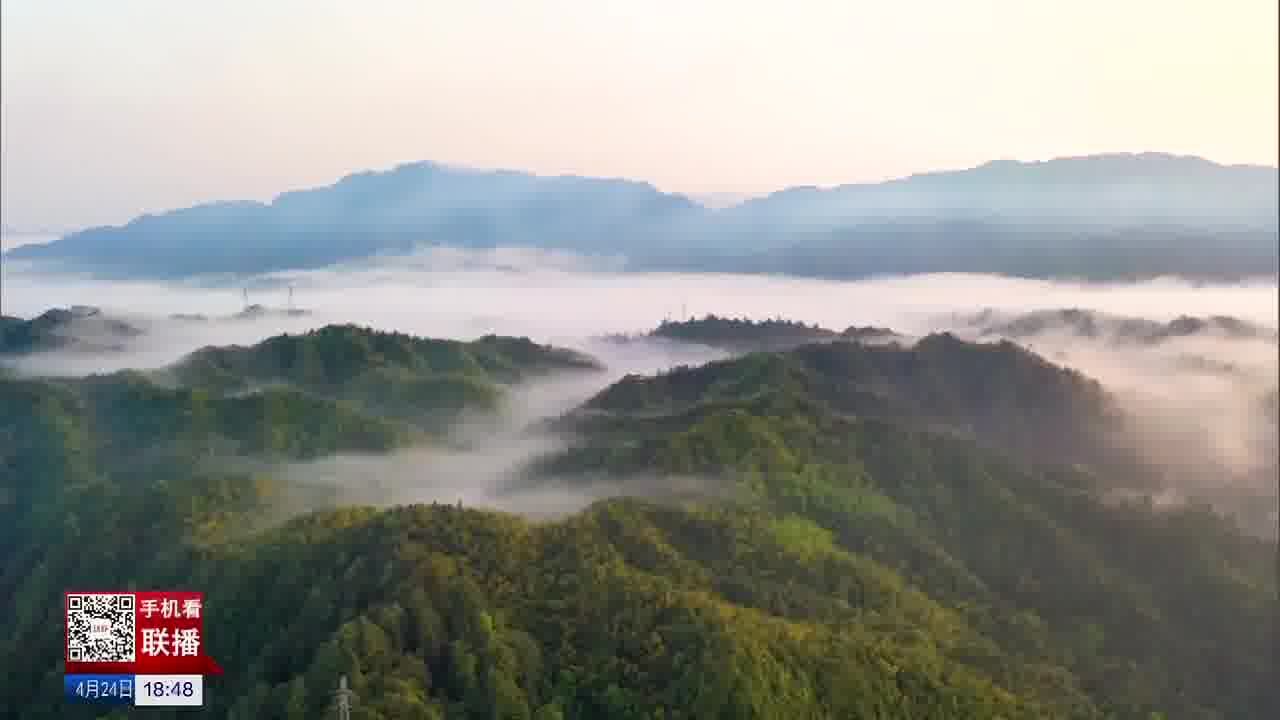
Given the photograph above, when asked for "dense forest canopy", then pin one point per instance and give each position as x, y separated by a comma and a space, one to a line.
737, 335
742, 333
999, 393
884, 531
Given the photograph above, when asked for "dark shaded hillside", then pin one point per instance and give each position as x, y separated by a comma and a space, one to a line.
1002, 395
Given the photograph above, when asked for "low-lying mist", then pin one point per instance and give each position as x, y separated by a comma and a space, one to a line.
1198, 401
481, 461
555, 297
1198, 411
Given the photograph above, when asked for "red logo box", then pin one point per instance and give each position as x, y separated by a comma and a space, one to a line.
136, 633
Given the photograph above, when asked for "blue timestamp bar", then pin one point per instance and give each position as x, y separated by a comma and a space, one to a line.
138, 690
100, 689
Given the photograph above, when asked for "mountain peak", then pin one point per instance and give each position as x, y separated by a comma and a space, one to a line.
427, 202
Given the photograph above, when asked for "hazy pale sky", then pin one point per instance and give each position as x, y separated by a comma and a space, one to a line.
115, 108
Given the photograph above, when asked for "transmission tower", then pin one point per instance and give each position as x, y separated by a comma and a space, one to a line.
342, 697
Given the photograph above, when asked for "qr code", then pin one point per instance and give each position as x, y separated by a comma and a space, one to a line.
100, 627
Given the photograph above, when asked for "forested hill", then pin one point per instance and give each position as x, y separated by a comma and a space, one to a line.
738, 335
88, 329
1021, 549
845, 563
291, 397
336, 354
425, 380
75, 328
999, 393
743, 334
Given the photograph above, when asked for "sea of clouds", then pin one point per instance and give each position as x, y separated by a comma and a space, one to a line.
1190, 414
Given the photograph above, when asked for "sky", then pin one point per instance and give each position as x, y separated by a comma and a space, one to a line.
111, 109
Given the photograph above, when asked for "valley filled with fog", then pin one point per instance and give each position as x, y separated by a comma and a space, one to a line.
558, 297
1198, 392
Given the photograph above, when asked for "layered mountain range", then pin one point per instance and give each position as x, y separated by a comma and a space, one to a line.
1105, 216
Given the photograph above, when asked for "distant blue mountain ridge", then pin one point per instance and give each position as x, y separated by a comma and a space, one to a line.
1100, 216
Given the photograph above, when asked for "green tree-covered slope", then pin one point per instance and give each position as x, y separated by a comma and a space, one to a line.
1136, 608
739, 335
424, 380
1000, 394
858, 557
